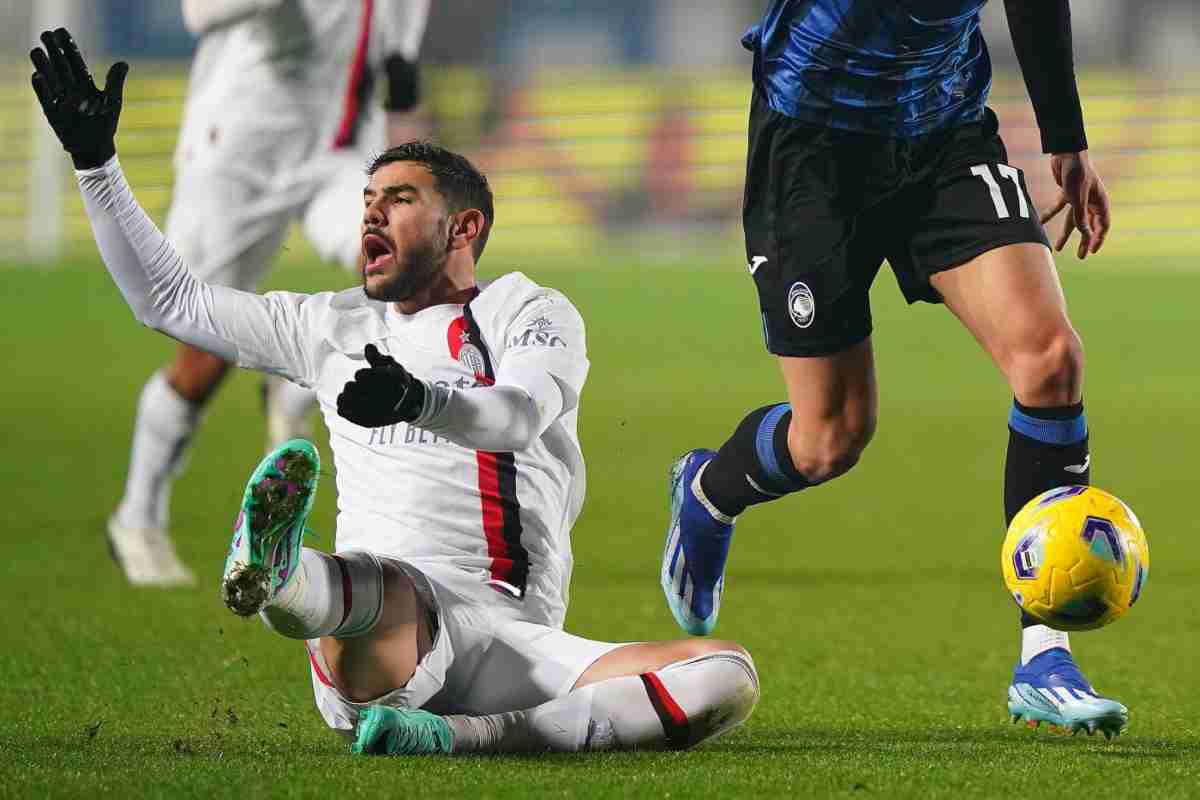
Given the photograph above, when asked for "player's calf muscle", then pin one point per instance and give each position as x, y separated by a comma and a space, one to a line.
834, 405
826, 448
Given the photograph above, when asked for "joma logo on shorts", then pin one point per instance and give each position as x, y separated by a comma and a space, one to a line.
536, 338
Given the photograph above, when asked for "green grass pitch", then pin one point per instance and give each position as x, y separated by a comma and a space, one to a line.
873, 606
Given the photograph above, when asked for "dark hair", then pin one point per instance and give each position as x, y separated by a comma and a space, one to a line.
456, 179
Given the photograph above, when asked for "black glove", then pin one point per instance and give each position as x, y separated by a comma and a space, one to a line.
83, 117
382, 395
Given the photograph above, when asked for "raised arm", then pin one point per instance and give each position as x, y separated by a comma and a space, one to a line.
1041, 35
263, 332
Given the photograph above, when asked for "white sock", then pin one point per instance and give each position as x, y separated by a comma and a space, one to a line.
328, 595
161, 433
678, 706
289, 411
1038, 639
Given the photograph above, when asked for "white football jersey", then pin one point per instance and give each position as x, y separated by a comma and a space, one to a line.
299, 65
405, 492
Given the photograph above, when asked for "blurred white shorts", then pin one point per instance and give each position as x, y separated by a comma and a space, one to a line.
484, 660
238, 189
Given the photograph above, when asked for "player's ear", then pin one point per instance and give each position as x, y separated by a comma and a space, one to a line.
466, 227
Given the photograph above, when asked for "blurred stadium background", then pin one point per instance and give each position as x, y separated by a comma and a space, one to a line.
618, 118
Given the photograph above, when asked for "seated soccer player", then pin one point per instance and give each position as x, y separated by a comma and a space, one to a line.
452, 408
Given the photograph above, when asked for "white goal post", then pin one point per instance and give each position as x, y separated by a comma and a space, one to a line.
47, 166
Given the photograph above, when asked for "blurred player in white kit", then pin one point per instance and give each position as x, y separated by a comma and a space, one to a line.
452, 407
280, 118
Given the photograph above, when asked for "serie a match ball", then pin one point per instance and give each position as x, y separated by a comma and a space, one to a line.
1075, 558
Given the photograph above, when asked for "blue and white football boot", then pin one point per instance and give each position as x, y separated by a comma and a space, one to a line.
693, 562
1050, 688
269, 533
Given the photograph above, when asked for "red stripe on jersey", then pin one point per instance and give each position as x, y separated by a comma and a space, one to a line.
674, 721
321, 676
493, 512
502, 519
358, 72
500, 509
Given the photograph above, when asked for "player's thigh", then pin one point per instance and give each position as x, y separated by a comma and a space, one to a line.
385, 658
457, 630
518, 664
967, 234
1011, 301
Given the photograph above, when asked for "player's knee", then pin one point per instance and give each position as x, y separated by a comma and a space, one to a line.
1050, 373
730, 687
696, 648
833, 449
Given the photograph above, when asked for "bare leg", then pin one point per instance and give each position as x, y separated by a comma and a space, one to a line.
834, 401
196, 374
1011, 301
369, 666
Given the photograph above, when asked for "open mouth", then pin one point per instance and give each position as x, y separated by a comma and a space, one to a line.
378, 251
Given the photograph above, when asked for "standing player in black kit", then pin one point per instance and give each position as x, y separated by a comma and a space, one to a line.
870, 140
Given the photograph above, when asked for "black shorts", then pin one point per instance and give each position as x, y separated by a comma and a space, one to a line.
824, 208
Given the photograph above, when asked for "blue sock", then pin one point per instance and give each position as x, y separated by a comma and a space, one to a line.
754, 465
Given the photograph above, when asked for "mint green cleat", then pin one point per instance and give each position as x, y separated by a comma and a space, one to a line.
386, 731
269, 532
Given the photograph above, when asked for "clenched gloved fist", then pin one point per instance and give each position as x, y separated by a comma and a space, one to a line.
383, 394
83, 117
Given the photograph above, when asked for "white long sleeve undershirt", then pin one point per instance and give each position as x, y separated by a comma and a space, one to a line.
504, 418
231, 324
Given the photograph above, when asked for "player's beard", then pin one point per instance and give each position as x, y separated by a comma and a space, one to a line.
415, 270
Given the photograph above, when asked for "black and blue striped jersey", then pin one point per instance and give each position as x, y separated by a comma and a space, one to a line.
896, 68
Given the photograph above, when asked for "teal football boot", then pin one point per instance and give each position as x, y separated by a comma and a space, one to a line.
269, 532
386, 731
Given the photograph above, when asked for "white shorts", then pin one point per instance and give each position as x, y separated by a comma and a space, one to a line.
484, 660
238, 189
